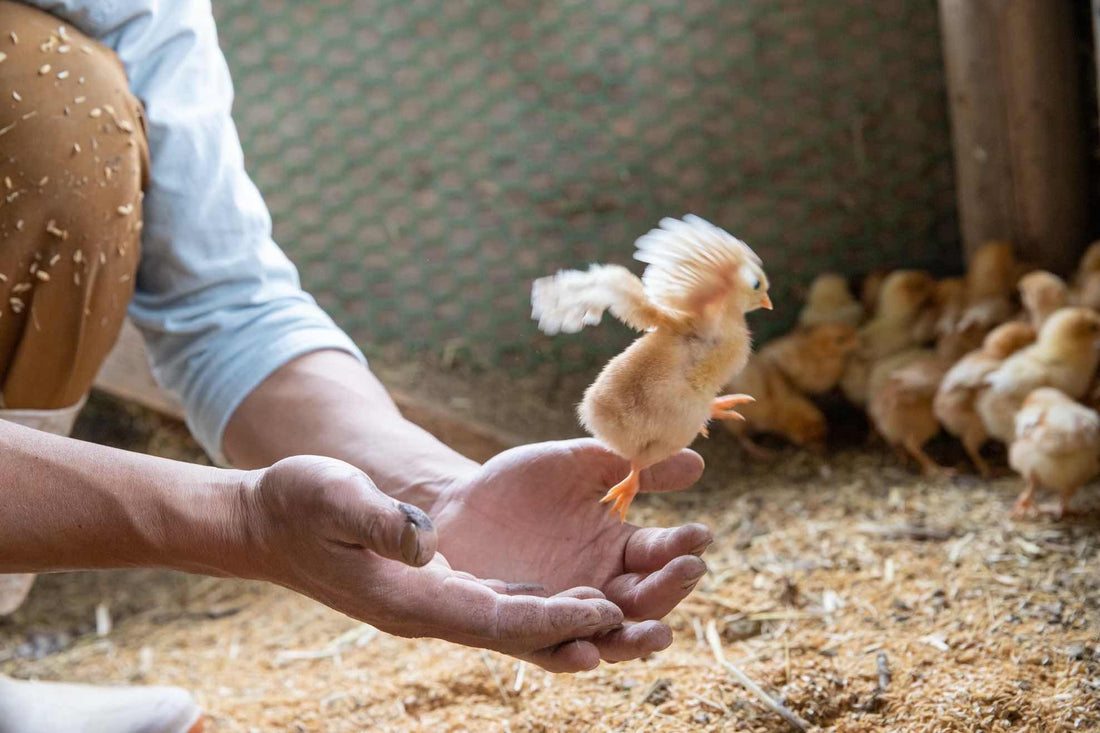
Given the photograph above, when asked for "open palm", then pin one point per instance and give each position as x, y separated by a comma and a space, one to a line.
532, 515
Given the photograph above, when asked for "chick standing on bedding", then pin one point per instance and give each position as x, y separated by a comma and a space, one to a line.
653, 399
1064, 356
1056, 446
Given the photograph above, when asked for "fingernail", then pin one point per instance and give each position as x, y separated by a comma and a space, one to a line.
701, 548
689, 582
415, 521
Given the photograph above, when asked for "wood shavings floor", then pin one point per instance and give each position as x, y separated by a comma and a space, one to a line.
817, 574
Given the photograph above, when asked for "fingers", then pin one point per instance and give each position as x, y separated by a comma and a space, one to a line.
365, 517
675, 473
474, 613
648, 550
653, 595
572, 656
633, 641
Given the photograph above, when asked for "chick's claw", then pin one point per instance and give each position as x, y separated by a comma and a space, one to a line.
722, 408
622, 494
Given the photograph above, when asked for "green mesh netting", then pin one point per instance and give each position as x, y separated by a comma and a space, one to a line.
424, 160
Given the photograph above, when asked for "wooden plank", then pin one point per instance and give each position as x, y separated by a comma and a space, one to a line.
126, 374
1018, 126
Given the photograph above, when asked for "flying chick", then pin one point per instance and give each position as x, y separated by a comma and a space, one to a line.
654, 398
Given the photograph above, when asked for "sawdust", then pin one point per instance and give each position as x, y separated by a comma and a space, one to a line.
856, 594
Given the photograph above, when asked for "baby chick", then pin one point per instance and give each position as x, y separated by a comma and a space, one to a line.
830, 301
869, 289
903, 302
653, 399
949, 305
990, 282
1090, 262
1042, 293
1064, 356
812, 359
1087, 294
779, 409
902, 390
954, 403
1057, 446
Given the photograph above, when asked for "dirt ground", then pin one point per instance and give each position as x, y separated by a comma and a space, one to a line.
858, 594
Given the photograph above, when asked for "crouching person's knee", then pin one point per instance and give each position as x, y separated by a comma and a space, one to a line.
73, 164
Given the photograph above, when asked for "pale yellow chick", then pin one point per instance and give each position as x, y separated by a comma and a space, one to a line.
1056, 446
902, 390
653, 399
812, 359
1042, 293
830, 301
903, 302
954, 405
779, 409
1064, 356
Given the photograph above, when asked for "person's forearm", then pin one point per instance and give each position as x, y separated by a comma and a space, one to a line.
66, 505
328, 404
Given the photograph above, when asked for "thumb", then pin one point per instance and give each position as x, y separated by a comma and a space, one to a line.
366, 518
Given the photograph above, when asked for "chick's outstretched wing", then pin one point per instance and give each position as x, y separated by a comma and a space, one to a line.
572, 299
692, 264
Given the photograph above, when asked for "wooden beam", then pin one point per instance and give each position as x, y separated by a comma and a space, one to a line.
1018, 125
126, 374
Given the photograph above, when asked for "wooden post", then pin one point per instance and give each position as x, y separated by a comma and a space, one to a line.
1017, 121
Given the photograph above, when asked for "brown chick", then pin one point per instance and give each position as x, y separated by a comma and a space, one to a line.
903, 302
869, 290
812, 359
830, 301
1056, 446
1087, 294
990, 283
954, 405
949, 304
651, 400
902, 391
1042, 293
779, 409
1064, 356
1089, 264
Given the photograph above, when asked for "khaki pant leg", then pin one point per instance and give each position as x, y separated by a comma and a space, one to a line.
73, 164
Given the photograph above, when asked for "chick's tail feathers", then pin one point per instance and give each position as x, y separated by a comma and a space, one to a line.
572, 299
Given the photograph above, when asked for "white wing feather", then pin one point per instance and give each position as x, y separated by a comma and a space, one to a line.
572, 299
687, 257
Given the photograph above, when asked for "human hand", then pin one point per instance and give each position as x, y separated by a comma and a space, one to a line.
532, 514
320, 527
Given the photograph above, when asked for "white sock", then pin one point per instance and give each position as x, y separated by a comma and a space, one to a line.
52, 707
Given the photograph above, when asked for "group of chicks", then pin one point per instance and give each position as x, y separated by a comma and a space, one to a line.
1006, 353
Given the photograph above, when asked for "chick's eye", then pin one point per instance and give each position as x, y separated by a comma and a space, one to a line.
756, 285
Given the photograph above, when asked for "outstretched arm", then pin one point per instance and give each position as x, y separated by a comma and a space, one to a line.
315, 525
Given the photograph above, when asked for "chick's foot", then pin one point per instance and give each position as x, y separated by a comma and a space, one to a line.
622, 494
722, 408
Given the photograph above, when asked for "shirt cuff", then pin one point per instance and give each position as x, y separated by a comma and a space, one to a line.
212, 405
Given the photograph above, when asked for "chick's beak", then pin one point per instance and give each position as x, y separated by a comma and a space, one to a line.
766, 303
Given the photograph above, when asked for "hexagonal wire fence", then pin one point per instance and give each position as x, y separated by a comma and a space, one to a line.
424, 160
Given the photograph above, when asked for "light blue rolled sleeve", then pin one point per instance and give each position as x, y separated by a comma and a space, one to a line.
218, 303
